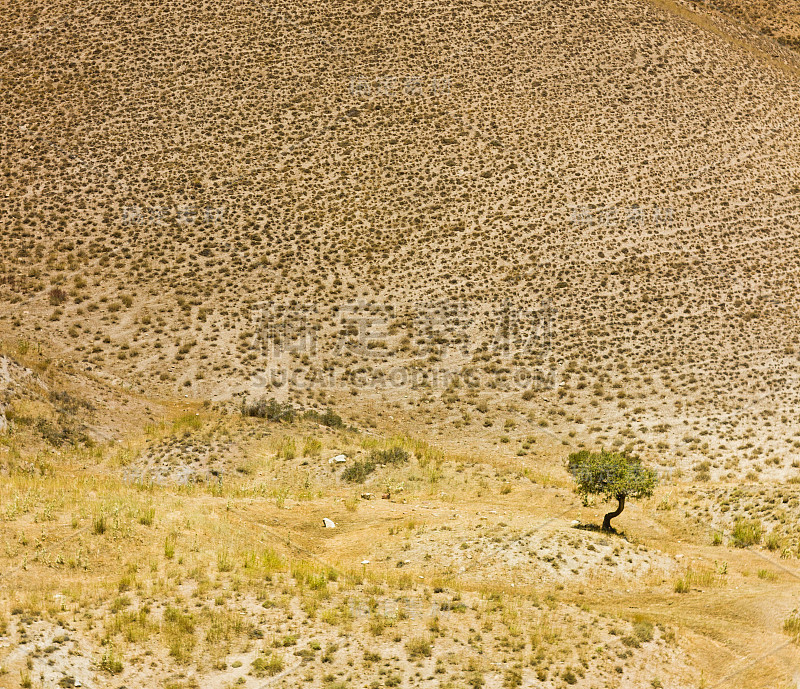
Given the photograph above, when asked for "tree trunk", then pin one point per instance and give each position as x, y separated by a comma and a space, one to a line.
607, 519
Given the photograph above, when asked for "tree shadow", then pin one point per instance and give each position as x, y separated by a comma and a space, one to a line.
599, 529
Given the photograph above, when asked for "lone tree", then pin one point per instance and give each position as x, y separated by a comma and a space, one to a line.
614, 475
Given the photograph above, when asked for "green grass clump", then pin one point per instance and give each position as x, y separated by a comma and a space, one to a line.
746, 532
419, 647
792, 625
267, 666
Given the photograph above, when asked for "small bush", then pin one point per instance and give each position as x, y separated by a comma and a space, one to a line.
99, 525
147, 515
683, 585
110, 664
57, 296
419, 647
267, 666
312, 447
746, 533
179, 632
394, 455
512, 679
224, 562
329, 418
643, 630
270, 409
169, 546
358, 471
773, 542
792, 625
631, 641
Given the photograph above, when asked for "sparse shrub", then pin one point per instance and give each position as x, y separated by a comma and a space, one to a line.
643, 630
773, 542
328, 418
312, 447
377, 624
791, 625
683, 585
99, 525
394, 455
287, 448
147, 515
178, 630
269, 409
358, 471
57, 296
746, 532
169, 546
110, 663
224, 561
512, 679
267, 666
419, 647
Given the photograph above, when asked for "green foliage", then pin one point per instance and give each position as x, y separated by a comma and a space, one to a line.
147, 515
110, 663
792, 625
63, 431
99, 524
267, 666
419, 647
358, 471
328, 418
269, 409
683, 585
187, 422
611, 475
178, 629
312, 447
746, 532
394, 455
643, 630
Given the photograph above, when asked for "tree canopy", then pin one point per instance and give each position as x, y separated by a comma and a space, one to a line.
612, 475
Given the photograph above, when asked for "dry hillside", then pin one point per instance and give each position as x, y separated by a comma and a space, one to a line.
485, 234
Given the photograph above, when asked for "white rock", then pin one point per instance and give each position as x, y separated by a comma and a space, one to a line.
338, 459
328, 523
